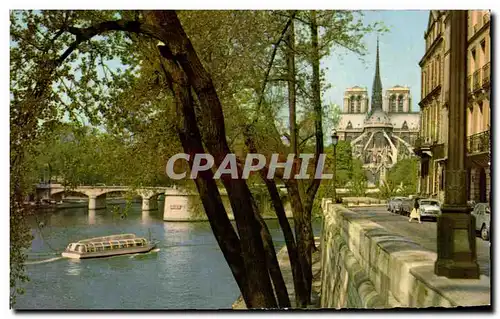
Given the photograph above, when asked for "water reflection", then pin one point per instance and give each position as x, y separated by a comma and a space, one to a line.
74, 267
146, 218
91, 216
184, 233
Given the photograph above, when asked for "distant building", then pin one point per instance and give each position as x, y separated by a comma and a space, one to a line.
382, 134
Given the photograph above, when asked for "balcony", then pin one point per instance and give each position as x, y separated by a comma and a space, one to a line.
422, 146
469, 84
476, 80
478, 143
486, 75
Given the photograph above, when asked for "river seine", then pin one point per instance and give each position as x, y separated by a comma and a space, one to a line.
187, 272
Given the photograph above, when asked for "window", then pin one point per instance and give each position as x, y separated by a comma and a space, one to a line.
392, 102
400, 103
438, 69
469, 121
422, 84
424, 77
351, 105
483, 50
441, 179
426, 83
358, 104
424, 170
80, 248
438, 121
404, 126
432, 75
349, 125
474, 61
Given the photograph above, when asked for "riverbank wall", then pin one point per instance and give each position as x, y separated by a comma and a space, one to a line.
365, 266
180, 208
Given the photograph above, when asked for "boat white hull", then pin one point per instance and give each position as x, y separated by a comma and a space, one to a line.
109, 253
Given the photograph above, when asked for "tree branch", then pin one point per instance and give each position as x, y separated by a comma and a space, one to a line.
271, 61
306, 139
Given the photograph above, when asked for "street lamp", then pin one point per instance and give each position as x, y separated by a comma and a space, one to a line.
335, 140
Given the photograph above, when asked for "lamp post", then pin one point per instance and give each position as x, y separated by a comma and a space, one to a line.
335, 140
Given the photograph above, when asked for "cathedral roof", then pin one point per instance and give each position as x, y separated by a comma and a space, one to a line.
378, 118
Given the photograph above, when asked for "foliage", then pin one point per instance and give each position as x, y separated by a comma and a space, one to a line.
347, 174
79, 155
358, 181
403, 176
387, 189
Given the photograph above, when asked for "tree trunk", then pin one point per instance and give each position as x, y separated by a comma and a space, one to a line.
298, 278
299, 283
302, 294
292, 96
316, 100
303, 234
214, 137
190, 138
272, 263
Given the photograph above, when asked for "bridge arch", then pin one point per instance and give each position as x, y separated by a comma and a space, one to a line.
112, 192
60, 194
153, 195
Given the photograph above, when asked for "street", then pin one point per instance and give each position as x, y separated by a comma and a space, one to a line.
425, 234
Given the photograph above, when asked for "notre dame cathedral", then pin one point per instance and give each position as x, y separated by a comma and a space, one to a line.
385, 133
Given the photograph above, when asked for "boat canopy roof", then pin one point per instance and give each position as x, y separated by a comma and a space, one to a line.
110, 244
107, 238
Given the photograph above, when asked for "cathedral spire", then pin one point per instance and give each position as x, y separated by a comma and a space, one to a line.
377, 86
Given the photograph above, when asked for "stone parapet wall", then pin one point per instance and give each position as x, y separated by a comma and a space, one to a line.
365, 266
363, 201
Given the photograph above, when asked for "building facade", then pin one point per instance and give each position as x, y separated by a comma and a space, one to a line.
383, 133
432, 144
478, 102
433, 139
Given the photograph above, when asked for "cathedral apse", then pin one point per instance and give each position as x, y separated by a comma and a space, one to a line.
382, 135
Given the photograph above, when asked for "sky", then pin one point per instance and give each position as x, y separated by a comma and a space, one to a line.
400, 51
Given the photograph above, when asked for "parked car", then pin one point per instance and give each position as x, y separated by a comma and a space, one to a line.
429, 208
482, 214
394, 204
406, 206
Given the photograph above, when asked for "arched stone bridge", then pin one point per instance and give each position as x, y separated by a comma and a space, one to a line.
177, 205
97, 194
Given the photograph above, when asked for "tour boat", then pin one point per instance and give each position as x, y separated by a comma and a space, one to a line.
108, 246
